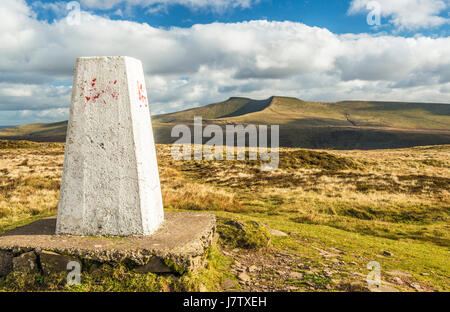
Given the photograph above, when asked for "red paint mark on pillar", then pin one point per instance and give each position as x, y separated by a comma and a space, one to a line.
92, 95
142, 95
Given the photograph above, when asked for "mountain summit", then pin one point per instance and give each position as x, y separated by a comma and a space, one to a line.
338, 125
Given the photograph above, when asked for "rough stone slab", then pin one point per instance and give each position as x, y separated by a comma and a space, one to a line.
54, 262
26, 262
155, 265
6, 263
183, 238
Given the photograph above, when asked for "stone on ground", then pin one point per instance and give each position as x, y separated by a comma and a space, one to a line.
54, 262
228, 284
6, 263
277, 233
26, 262
243, 277
296, 275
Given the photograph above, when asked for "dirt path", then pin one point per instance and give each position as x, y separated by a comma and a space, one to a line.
268, 270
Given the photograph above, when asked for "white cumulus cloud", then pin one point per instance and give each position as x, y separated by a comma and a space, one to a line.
156, 5
407, 14
188, 67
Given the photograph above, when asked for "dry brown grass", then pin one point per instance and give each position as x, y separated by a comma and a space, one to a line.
397, 187
399, 193
29, 183
385, 195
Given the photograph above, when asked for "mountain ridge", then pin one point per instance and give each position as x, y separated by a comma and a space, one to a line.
336, 125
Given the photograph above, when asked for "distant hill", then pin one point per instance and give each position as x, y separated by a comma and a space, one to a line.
39, 132
340, 125
232, 107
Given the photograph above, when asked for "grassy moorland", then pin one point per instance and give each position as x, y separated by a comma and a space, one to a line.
339, 209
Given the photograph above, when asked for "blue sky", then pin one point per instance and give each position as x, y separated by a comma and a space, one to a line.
323, 13
199, 51
330, 14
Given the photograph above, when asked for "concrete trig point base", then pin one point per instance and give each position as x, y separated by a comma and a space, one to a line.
178, 245
110, 186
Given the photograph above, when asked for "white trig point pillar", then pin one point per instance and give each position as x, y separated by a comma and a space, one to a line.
110, 184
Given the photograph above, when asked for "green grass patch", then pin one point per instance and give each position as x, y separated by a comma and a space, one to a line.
248, 234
